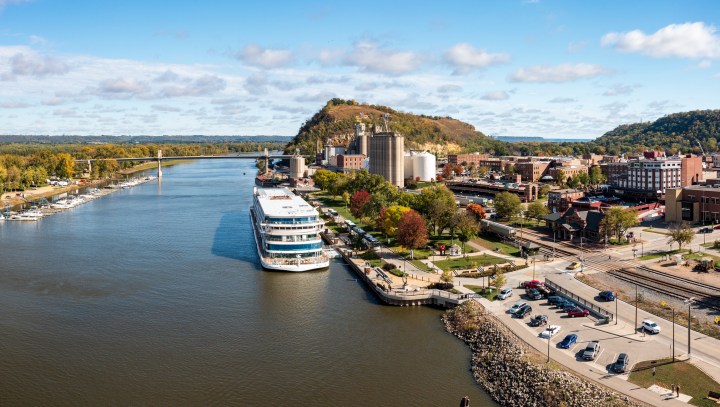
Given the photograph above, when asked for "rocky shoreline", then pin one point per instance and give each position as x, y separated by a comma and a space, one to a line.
502, 364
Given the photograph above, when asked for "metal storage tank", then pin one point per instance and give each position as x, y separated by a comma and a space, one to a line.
297, 167
408, 158
386, 157
424, 166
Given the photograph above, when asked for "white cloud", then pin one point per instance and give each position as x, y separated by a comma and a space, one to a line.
449, 89
704, 64
689, 40
120, 88
4, 3
256, 84
265, 57
575, 47
557, 73
371, 58
559, 99
13, 105
620, 90
465, 58
204, 85
317, 97
34, 65
496, 95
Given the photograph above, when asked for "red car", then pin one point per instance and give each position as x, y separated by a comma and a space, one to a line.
532, 284
578, 312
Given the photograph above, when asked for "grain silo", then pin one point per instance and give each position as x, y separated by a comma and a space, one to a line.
408, 164
297, 167
386, 157
424, 166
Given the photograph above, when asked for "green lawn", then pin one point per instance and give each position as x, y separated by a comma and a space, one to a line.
492, 242
489, 294
660, 254
692, 381
469, 262
372, 258
445, 239
420, 265
701, 255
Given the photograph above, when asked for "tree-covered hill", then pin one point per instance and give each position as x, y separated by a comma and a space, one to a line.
674, 133
442, 135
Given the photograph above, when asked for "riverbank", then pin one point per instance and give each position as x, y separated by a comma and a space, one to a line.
17, 198
515, 375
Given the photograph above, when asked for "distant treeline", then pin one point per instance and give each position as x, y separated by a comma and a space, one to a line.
30, 164
41, 139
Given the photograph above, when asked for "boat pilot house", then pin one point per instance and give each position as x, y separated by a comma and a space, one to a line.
573, 224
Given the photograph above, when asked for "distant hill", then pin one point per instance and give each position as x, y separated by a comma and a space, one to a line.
536, 139
140, 139
678, 132
441, 135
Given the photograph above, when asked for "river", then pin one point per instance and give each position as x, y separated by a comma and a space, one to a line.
154, 296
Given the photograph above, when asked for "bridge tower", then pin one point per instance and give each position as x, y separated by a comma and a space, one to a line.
159, 160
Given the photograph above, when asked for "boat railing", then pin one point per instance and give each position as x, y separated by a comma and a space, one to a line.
303, 260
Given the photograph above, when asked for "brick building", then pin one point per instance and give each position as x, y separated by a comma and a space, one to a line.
560, 200
457, 159
350, 161
569, 170
532, 171
697, 203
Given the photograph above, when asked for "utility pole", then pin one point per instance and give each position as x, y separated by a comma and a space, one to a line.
636, 306
689, 302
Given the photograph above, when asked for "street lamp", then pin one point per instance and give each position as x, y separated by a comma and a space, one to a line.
689, 302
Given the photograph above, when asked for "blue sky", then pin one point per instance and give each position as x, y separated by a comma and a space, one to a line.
516, 68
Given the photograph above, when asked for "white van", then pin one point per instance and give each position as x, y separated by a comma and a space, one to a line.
516, 306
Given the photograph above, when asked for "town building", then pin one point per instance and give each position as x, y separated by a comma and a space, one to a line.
532, 171
696, 203
575, 224
494, 164
569, 171
560, 200
458, 159
350, 162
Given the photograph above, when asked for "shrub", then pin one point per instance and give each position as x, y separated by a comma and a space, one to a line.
388, 266
396, 272
441, 286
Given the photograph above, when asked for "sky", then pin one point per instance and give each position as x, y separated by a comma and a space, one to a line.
554, 69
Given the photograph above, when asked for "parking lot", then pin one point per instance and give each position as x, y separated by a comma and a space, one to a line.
614, 339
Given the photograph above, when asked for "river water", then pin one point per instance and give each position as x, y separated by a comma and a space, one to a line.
154, 296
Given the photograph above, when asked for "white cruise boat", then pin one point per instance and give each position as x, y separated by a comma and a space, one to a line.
32, 215
287, 231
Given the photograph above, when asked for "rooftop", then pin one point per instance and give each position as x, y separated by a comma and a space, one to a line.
282, 202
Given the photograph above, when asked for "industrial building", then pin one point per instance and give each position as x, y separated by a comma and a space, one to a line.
297, 167
387, 157
420, 166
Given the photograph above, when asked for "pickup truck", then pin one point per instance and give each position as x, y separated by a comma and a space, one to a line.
591, 351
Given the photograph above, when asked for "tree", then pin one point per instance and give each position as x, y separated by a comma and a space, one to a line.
437, 204
537, 210
617, 220
346, 198
324, 178
358, 202
681, 234
447, 171
477, 211
392, 217
500, 279
467, 227
510, 169
483, 171
446, 276
507, 204
544, 189
596, 176
66, 166
583, 178
412, 230
560, 177
3, 177
574, 181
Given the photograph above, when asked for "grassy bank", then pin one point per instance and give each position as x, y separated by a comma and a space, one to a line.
461, 263
493, 243
693, 381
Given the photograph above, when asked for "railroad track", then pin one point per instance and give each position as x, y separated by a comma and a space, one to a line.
657, 282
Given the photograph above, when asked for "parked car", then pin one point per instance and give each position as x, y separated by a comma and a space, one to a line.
538, 320
545, 290
578, 312
606, 296
505, 293
522, 312
554, 299
534, 294
568, 306
574, 265
651, 326
591, 350
705, 230
568, 341
621, 364
550, 331
513, 309
532, 284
